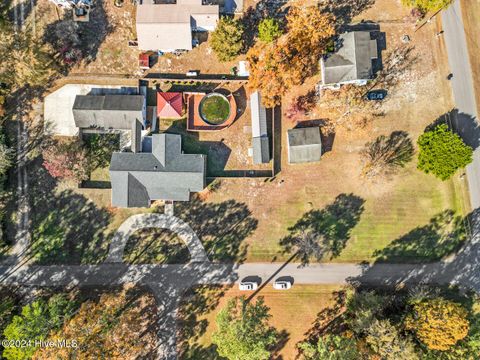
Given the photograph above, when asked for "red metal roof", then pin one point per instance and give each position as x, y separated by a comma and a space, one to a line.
169, 104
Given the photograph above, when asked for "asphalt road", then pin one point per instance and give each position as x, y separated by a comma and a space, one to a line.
465, 121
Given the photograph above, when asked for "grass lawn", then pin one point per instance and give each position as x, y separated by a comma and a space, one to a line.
155, 246
293, 311
215, 109
392, 212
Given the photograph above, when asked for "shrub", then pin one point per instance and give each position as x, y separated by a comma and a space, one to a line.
227, 39
427, 5
442, 152
269, 30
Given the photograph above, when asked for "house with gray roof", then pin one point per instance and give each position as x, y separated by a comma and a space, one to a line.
169, 27
304, 145
351, 63
117, 112
260, 141
165, 173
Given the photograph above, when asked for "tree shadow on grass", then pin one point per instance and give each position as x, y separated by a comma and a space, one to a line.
345, 10
197, 302
328, 320
79, 41
66, 226
217, 152
330, 228
442, 236
222, 227
282, 339
155, 246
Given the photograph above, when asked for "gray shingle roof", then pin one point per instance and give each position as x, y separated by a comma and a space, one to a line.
260, 144
261, 150
169, 27
352, 61
164, 174
304, 145
108, 111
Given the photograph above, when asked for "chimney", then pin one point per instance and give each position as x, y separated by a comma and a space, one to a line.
136, 136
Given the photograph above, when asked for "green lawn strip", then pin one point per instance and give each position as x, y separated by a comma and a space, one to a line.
412, 205
400, 224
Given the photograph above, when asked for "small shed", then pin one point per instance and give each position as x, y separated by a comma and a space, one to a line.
260, 141
144, 61
304, 145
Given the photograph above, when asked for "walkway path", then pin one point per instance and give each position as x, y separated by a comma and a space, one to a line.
161, 221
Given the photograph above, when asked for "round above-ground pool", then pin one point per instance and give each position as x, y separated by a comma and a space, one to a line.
214, 109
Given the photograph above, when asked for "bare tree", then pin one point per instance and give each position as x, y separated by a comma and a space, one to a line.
308, 245
387, 154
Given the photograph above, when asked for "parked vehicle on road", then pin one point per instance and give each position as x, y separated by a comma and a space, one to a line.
282, 285
248, 285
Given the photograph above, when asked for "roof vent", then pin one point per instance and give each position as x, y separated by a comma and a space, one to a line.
155, 167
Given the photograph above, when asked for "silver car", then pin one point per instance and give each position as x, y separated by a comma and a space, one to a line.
282, 285
248, 285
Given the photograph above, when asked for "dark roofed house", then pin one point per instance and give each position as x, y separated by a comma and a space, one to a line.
108, 111
260, 142
165, 173
352, 62
304, 145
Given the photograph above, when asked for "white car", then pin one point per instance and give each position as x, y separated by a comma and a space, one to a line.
248, 285
282, 285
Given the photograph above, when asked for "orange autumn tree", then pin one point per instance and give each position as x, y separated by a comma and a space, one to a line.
117, 326
266, 75
294, 56
438, 323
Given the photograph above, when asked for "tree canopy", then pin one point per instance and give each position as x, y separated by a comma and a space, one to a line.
227, 39
243, 330
66, 160
275, 67
442, 152
330, 347
35, 322
438, 323
116, 326
427, 5
269, 30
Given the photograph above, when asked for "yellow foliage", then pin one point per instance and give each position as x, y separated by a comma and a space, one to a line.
275, 67
438, 323
115, 327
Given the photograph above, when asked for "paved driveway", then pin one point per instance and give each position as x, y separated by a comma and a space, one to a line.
160, 221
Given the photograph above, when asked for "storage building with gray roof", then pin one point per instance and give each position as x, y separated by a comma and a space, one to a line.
304, 145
